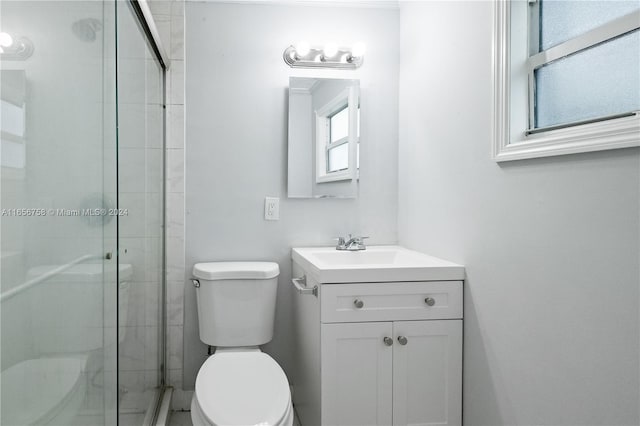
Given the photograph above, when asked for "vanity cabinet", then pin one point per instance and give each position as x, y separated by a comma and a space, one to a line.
413, 379
378, 353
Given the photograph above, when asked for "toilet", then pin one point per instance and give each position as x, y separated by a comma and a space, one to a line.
239, 384
44, 391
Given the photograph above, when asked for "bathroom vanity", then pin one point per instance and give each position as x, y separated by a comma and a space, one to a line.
377, 337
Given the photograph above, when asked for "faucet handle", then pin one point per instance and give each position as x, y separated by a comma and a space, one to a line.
358, 243
353, 243
341, 243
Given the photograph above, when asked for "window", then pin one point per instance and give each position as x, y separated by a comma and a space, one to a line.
567, 77
337, 134
13, 118
338, 144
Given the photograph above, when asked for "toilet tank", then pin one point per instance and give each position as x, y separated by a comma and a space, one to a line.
236, 302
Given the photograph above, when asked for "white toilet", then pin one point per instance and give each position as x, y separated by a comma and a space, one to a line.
239, 384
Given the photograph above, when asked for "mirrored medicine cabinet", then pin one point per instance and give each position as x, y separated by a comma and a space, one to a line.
324, 138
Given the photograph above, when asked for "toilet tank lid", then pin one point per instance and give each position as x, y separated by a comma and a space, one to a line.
236, 270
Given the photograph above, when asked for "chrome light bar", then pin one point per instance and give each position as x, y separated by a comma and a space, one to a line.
319, 58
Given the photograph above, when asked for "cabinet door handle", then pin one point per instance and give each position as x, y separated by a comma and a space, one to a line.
388, 341
358, 303
430, 301
402, 340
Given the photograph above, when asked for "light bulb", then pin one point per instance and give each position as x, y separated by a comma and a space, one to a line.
330, 50
5, 39
302, 49
358, 49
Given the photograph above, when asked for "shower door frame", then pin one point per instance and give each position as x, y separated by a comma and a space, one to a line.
145, 19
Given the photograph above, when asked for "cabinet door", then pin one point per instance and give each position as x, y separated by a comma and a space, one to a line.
357, 374
427, 373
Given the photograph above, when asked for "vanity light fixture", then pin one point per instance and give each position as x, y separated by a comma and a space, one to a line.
15, 49
5, 40
330, 56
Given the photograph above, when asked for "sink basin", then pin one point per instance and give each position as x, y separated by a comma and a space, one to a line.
375, 264
345, 258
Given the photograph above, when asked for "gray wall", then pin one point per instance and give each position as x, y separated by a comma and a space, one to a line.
236, 142
550, 245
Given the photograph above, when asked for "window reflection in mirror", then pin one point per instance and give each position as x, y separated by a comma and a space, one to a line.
324, 137
12, 123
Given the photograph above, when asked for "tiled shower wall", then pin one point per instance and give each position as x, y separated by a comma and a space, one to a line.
169, 19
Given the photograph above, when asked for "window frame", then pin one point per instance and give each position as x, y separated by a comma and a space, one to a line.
510, 142
348, 98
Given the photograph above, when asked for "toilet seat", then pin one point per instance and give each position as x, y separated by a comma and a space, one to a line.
243, 388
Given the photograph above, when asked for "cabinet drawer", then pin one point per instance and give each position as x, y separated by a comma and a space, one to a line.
391, 301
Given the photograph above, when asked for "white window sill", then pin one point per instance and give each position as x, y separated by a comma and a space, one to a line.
611, 134
334, 176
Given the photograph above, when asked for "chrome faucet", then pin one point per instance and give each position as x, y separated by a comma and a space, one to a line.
351, 244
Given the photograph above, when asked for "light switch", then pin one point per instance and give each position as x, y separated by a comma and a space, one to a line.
271, 208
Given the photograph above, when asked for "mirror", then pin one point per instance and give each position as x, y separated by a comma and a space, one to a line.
324, 138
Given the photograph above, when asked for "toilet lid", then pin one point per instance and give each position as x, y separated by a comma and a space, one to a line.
242, 388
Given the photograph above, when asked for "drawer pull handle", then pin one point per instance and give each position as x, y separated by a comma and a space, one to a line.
388, 341
358, 303
402, 340
430, 301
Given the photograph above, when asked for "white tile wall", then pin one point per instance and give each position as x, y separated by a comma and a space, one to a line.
176, 81
175, 171
177, 32
169, 17
175, 258
180, 418
175, 129
181, 399
175, 214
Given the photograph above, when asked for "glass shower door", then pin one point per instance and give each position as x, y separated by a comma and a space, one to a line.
141, 231
58, 259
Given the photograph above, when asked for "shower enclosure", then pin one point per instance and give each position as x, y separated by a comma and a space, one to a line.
82, 91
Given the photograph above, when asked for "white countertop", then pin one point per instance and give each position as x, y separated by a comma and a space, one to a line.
375, 264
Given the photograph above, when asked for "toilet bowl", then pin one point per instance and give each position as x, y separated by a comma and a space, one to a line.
241, 388
238, 384
43, 391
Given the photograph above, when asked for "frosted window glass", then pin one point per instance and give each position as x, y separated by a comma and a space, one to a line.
561, 20
340, 125
338, 158
600, 81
